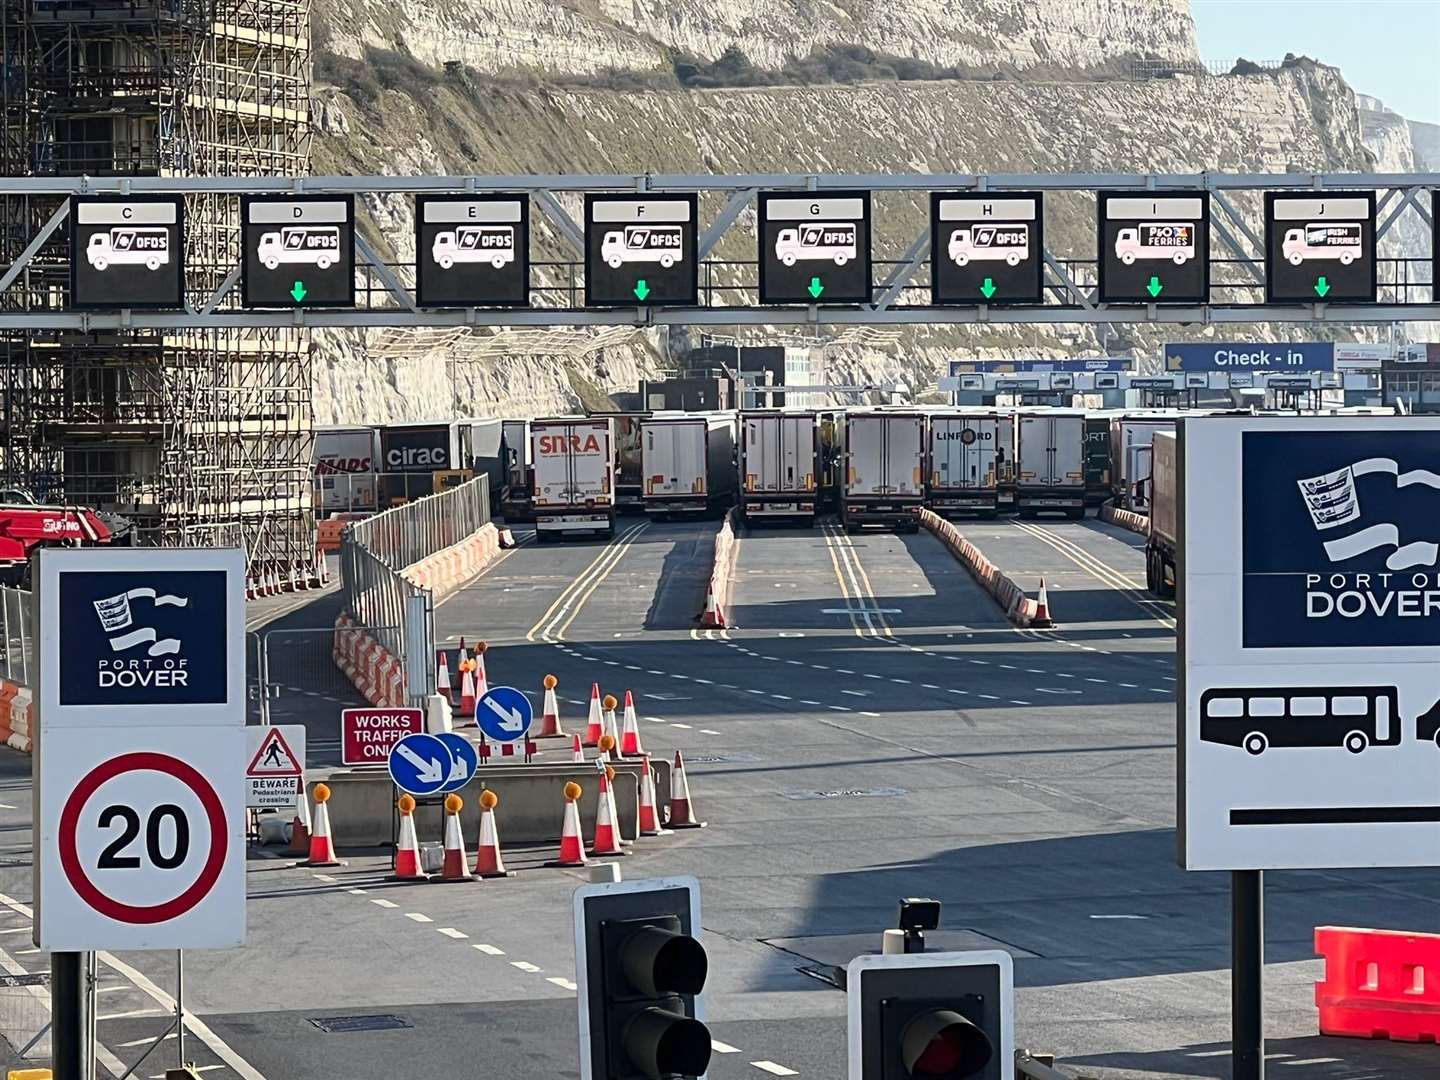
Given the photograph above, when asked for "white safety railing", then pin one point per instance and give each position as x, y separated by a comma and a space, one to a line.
17, 659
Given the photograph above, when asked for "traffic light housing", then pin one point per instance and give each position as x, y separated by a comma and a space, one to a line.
932, 1016
640, 974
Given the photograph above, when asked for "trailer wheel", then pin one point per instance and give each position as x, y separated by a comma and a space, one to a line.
1167, 585
1076, 515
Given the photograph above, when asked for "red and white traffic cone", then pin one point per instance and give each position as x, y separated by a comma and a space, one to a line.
630, 733
572, 843
300, 827
407, 848
595, 723
442, 678
550, 721
1042, 607
322, 849
482, 684
682, 812
488, 863
577, 750
467, 691
648, 823
607, 825
611, 728
456, 866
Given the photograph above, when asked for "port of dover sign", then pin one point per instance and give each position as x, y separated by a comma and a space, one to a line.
1309, 613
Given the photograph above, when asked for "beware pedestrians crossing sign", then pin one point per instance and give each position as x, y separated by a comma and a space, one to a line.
421, 764
276, 771
504, 714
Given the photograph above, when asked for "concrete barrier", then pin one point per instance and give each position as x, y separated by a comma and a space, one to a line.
531, 810
1018, 608
445, 571
722, 573
1126, 519
17, 716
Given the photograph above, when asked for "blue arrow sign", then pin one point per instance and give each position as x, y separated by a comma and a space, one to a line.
504, 714
466, 760
421, 764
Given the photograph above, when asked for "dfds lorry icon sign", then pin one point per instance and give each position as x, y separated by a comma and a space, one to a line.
1341, 540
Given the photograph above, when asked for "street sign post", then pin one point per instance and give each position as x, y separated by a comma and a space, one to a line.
298, 251
472, 251
275, 775
1320, 247
814, 249
504, 714
368, 735
986, 248
464, 760
127, 252
640, 250
140, 780
1154, 248
1309, 634
421, 764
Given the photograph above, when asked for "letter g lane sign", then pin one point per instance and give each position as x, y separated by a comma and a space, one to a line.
140, 749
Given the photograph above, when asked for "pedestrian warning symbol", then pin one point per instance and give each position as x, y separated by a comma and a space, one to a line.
275, 776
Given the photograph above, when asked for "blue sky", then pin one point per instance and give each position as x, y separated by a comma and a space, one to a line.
1387, 48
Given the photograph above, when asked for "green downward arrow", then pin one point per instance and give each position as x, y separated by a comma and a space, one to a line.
1322, 287
816, 288
1154, 287
988, 288
298, 292
642, 290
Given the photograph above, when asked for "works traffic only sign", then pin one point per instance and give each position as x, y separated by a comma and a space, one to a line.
641, 250
814, 249
1154, 247
127, 252
275, 775
368, 735
986, 248
1310, 596
472, 251
504, 714
298, 251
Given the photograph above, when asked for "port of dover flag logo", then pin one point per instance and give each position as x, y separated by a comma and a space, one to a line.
143, 638
1341, 539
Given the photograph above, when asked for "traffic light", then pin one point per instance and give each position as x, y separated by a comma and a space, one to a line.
932, 1016
639, 973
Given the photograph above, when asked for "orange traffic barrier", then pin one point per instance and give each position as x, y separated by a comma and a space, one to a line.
328, 534
1375, 984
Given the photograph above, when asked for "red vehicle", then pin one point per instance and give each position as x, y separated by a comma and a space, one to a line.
26, 525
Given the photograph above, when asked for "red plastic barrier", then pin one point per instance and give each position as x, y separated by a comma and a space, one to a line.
1379, 984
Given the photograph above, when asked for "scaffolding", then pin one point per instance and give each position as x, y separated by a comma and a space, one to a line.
199, 435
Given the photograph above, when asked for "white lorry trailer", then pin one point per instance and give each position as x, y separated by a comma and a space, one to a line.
345, 469
687, 462
1050, 462
780, 467
573, 462
1164, 517
1130, 466
882, 469
965, 459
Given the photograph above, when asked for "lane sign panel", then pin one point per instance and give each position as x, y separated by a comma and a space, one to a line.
299, 251
815, 248
1320, 247
275, 775
141, 841
472, 251
640, 250
127, 252
985, 248
368, 735
464, 760
504, 714
421, 764
1154, 248
1309, 705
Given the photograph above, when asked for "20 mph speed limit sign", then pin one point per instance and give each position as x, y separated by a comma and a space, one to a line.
143, 847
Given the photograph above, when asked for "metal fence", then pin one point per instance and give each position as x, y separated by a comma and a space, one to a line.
17, 660
374, 551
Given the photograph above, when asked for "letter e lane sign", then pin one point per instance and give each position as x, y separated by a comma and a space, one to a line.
368, 735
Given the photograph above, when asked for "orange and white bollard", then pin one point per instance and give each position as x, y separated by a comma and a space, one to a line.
595, 723
607, 825
300, 827
611, 728
467, 689
577, 751
456, 866
488, 861
322, 849
407, 848
630, 732
442, 679
682, 811
482, 684
572, 843
550, 716
649, 821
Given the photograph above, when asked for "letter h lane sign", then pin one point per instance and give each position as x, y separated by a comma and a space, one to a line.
140, 749
367, 736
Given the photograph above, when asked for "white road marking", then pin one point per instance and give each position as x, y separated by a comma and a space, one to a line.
451, 932
844, 671
723, 1048
782, 697
655, 720
840, 708
989, 697
1014, 702
707, 731
566, 984
140, 1042
870, 675
1129, 686
1126, 917
1095, 680
383, 903
929, 686
357, 892
685, 726
807, 701
489, 950
418, 917
855, 693
130, 1014
524, 965
905, 682
704, 682
324, 877
773, 1069
954, 691
871, 714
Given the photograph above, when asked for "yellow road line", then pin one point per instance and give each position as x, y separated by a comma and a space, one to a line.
579, 580
1098, 569
622, 546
